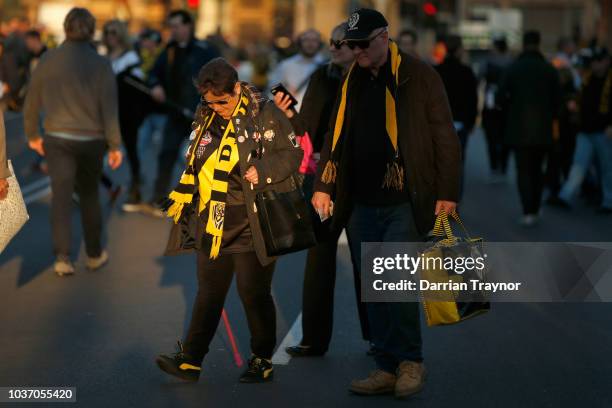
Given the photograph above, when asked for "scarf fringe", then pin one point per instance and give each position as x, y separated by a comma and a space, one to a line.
215, 247
173, 208
329, 172
394, 176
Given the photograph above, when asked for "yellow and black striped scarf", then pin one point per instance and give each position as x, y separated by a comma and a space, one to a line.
212, 179
394, 176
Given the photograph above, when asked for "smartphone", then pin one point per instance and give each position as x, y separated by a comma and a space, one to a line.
281, 88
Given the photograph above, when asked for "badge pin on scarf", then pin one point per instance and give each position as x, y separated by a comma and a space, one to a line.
204, 141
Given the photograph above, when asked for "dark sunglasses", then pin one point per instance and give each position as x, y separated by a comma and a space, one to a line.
362, 44
110, 32
210, 103
336, 44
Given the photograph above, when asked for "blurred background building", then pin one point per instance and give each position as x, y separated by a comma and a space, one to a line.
246, 21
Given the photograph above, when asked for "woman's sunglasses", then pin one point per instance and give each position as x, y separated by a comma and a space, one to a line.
362, 44
210, 103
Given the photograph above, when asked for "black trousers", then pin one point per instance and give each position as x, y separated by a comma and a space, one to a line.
254, 283
176, 131
129, 133
74, 164
320, 283
530, 176
493, 126
560, 157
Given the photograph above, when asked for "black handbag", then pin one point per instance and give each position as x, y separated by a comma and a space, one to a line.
285, 221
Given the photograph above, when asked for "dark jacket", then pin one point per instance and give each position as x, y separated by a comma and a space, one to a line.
462, 90
427, 141
175, 70
4, 170
281, 159
592, 119
530, 96
317, 104
76, 89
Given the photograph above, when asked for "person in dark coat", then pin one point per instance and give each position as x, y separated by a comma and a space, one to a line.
461, 89
559, 160
594, 140
492, 114
172, 82
320, 270
242, 144
530, 93
390, 165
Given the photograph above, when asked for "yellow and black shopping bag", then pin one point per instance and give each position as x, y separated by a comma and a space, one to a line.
452, 299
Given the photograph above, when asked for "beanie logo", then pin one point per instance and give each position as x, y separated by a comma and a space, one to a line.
353, 20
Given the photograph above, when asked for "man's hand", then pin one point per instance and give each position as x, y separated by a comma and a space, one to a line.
251, 175
448, 206
158, 94
3, 188
283, 102
37, 146
115, 157
322, 204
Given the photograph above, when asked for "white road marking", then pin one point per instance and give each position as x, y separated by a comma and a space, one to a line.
37, 195
293, 337
27, 189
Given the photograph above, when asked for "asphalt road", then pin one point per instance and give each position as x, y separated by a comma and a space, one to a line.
100, 331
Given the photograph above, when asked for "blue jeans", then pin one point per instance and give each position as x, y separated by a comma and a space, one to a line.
589, 146
395, 327
151, 132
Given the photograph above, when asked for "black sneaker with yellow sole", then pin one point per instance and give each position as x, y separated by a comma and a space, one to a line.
259, 370
180, 364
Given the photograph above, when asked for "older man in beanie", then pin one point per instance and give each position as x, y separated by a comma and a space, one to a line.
392, 161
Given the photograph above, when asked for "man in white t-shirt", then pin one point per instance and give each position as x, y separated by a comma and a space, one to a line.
294, 72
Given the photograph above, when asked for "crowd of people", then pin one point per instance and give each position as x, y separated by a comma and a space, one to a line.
371, 161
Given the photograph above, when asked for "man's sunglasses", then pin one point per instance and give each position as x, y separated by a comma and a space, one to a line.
336, 44
362, 44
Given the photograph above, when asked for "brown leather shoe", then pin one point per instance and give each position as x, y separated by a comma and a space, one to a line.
410, 378
379, 382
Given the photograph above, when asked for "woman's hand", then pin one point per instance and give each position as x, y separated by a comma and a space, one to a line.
251, 175
283, 102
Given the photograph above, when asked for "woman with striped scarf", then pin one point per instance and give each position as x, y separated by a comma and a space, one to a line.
241, 144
